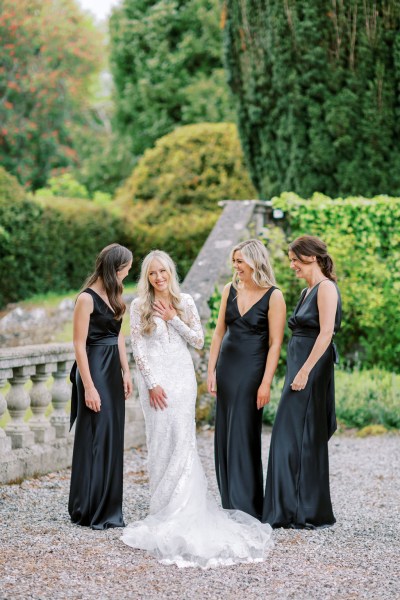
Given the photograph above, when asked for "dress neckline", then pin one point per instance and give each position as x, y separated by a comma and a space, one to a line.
104, 302
253, 305
307, 294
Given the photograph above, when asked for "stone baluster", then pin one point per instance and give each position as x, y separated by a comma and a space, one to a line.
40, 400
61, 394
18, 401
5, 442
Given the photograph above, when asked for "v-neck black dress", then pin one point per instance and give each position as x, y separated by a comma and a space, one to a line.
240, 369
95, 498
297, 490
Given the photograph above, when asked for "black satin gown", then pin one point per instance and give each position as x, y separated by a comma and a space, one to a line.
240, 369
297, 490
95, 498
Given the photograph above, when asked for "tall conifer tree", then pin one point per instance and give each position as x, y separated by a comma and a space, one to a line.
317, 84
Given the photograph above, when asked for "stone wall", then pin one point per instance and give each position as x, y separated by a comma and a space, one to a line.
38, 380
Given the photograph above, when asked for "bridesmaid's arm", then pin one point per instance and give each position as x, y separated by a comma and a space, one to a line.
327, 300
126, 375
276, 326
216, 342
83, 310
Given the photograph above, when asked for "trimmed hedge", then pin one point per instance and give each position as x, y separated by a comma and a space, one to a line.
363, 238
51, 245
195, 165
171, 199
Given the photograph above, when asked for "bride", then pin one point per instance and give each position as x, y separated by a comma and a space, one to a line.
185, 525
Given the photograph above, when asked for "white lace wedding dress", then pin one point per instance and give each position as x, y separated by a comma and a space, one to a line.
185, 526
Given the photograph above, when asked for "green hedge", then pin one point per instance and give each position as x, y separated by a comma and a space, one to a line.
195, 165
51, 245
363, 237
171, 199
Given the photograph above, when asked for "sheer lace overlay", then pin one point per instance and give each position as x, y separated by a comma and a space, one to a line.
185, 525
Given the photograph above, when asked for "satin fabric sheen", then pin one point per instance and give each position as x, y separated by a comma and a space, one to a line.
297, 490
240, 369
95, 498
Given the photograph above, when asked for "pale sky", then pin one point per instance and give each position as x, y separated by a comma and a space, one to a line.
100, 8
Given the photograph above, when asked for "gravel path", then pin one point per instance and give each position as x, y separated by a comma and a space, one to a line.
44, 556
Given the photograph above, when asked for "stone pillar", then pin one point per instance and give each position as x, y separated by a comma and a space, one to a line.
18, 401
40, 400
5, 442
61, 394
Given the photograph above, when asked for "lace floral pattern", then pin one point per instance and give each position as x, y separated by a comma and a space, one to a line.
185, 526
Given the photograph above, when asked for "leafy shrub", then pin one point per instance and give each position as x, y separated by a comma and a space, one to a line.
63, 185
51, 244
10, 190
170, 201
364, 239
368, 397
195, 165
363, 398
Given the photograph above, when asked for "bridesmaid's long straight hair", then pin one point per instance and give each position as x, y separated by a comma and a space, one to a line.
146, 291
256, 256
111, 259
309, 245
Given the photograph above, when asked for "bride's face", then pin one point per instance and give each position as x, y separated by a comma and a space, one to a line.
158, 276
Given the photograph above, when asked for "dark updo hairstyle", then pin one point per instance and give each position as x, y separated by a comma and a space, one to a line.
308, 245
111, 259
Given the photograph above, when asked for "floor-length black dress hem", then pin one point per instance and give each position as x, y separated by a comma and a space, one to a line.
297, 493
240, 370
95, 498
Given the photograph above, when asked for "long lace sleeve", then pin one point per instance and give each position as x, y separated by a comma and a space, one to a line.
193, 331
139, 347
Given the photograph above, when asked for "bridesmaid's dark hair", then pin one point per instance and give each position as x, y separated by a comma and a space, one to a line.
309, 245
111, 259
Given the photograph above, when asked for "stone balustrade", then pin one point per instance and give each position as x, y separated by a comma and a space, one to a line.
38, 378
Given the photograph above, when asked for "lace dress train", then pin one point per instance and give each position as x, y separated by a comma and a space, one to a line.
185, 526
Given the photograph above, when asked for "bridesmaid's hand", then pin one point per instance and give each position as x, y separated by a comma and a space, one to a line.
300, 381
212, 383
158, 397
128, 387
92, 399
263, 395
164, 310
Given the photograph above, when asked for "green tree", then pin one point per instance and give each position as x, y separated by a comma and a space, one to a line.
166, 59
171, 199
50, 54
316, 84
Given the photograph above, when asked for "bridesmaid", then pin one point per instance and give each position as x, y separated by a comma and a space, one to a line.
297, 490
244, 355
101, 381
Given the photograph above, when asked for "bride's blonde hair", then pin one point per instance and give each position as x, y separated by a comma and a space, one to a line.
146, 290
256, 256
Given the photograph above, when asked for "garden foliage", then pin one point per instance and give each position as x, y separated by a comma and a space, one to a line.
317, 90
363, 237
171, 199
50, 52
51, 244
166, 60
362, 398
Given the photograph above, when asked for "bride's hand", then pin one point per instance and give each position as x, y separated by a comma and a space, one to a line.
158, 397
212, 383
164, 310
